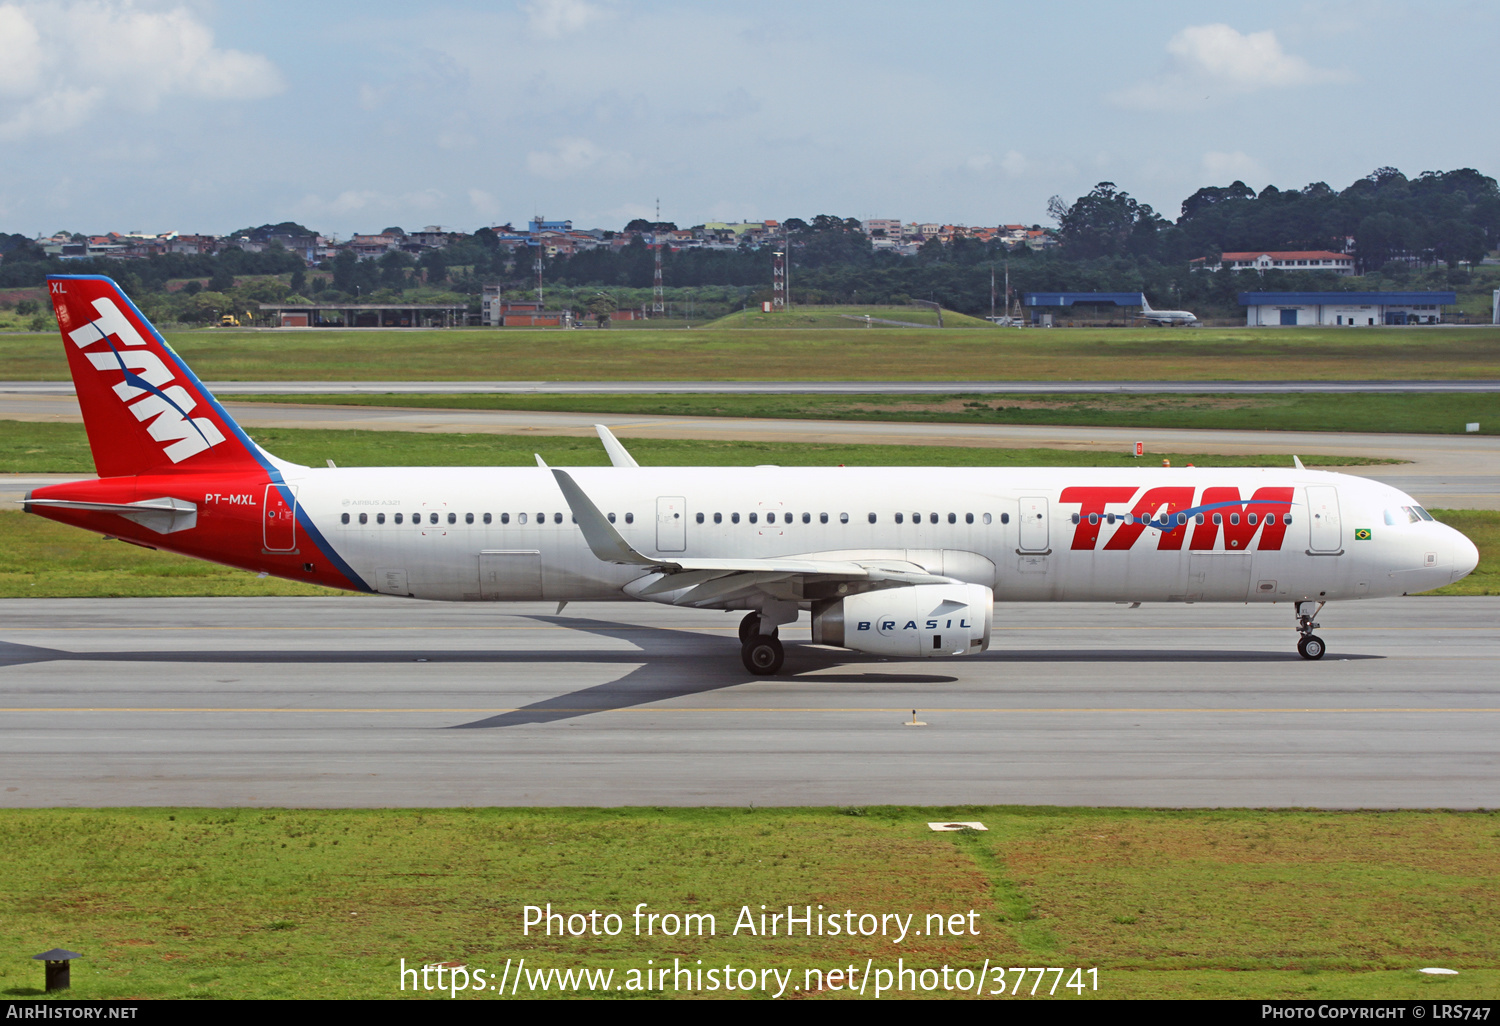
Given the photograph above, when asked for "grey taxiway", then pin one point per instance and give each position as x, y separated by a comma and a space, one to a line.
384, 702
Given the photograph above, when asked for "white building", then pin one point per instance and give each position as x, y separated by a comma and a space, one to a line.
1287, 260
1344, 309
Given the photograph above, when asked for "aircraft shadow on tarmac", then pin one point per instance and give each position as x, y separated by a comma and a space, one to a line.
665, 664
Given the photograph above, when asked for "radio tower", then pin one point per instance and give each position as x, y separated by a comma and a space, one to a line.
778, 282
658, 304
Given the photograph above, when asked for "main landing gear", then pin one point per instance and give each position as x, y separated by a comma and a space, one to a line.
1309, 645
762, 654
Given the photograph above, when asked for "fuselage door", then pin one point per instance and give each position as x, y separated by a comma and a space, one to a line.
1034, 523
280, 519
671, 523
1327, 534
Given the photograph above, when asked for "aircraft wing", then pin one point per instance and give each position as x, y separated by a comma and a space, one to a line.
692, 581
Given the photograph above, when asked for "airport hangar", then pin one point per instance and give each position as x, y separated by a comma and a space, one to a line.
1045, 306
1344, 309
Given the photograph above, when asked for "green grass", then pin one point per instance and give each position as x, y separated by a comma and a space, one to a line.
28, 447
838, 317
1364, 412
813, 354
255, 903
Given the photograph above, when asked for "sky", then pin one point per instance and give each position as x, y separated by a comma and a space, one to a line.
207, 116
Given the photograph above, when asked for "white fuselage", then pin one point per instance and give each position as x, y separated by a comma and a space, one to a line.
507, 533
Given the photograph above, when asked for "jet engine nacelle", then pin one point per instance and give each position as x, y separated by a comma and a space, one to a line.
917, 621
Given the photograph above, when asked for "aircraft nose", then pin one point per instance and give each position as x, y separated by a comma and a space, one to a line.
1465, 556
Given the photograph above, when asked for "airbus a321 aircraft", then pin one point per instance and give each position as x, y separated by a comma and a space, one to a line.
900, 562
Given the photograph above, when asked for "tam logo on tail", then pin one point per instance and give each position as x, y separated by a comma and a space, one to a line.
145, 390
144, 410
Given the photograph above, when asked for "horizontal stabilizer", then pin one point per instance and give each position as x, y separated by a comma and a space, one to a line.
163, 516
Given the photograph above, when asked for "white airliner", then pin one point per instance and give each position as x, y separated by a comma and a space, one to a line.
1166, 317
895, 561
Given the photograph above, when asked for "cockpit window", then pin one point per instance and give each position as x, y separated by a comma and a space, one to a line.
1423, 513
1411, 514
1390, 519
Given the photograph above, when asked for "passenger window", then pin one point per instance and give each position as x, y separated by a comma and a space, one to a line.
1218, 519
987, 517
1077, 519
1270, 518
843, 518
718, 518
969, 518
1198, 519
452, 518
1093, 518
557, 518
541, 518
364, 518
734, 518
398, 518
699, 518
1004, 518
822, 518
1286, 518
630, 518
807, 518
872, 518
933, 518
611, 518
433, 518
345, 518
520, 518
468, 518
952, 518
1250, 520
898, 518
505, 518
380, 518
486, 518
752, 518
1234, 518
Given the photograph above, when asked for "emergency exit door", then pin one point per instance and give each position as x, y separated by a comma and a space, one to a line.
671, 523
280, 519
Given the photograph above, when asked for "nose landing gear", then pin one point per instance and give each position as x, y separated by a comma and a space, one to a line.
1309, 645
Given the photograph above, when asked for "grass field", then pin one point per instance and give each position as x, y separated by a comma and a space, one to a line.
236, 903
28, 447
897, 354
803, 317
1447, 413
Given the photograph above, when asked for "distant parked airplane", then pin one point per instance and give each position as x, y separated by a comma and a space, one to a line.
1166, 317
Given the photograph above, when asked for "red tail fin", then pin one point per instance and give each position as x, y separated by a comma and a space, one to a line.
145, 412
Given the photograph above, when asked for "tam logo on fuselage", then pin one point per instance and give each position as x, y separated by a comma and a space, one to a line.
146, 390
1171, 511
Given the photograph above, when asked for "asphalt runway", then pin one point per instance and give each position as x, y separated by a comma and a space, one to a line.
790, 387
358, 702
1445, 471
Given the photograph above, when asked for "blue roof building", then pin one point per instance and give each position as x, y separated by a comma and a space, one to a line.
1344, 309
1071, 298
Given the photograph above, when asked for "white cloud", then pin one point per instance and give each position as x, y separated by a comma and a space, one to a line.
484, 203
1226, 167
557, 18
369, 201
1014, 163
63, 63
1208, 63
576, 157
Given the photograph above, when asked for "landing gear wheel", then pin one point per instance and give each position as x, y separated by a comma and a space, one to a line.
762, 655
1310, 646
750, 627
